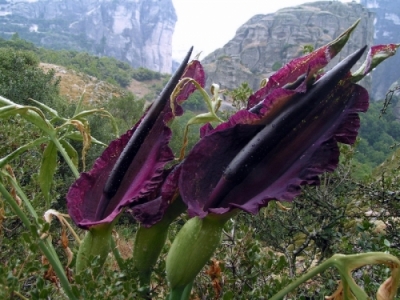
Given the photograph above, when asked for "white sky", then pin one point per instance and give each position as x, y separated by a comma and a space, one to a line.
210, 24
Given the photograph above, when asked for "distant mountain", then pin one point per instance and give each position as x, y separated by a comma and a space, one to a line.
135, 31
266, 42
387, 30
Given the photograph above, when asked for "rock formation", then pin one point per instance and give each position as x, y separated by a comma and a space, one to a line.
387, 30
266, 42
136, 31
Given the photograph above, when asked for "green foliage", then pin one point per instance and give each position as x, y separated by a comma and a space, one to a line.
104, 68
143, 74
126, 109
178, 128
240, 95
195, 103
308, 49
259, 256
378, 135
21, 78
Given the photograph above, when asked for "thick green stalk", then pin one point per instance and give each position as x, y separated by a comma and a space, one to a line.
150, 241
191, 250
181, 293
147, 248
95, 243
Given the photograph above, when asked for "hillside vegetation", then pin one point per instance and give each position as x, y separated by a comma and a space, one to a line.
104, 68
353, 211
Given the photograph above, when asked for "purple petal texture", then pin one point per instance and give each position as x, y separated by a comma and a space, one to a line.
141, 180
142, 183
152, 210
309, 149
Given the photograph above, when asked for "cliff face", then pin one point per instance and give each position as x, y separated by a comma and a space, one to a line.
136, 31
266, 42
387, 30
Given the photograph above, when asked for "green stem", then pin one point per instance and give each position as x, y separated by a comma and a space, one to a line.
177, 293
117, 255
310, 274
182, 293
149, 243
187, 291
45, 247
192, 248
21, 194
95, 243
18, 211
48, 251
73, 232
20, 295
65, 156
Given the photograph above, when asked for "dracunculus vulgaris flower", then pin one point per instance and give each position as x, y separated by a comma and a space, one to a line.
130, 173
287, 136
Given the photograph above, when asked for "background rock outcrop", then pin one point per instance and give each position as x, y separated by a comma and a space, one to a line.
136, 31
266, 42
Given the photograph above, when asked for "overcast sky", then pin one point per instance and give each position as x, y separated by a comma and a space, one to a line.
210, 24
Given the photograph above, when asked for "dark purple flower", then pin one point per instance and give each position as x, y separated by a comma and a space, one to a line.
286, 138
131, 169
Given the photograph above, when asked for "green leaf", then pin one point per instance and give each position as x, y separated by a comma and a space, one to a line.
102, 112
11, 110
26, 238
80, 104
72, 153
30, 113
6, 159
47, 170
77, 136
228, 295
44, 107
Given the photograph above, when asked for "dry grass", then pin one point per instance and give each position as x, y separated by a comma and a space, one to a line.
73, 84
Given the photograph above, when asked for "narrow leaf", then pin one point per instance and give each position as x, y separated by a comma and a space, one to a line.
76, 136
6, 159
47, 170
101, 112
44, 107
72, 153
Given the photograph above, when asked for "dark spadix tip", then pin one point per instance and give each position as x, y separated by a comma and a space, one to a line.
141, 132
263, 143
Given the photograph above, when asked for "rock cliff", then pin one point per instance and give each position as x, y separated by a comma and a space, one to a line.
136, 31
387, 30
266, 42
